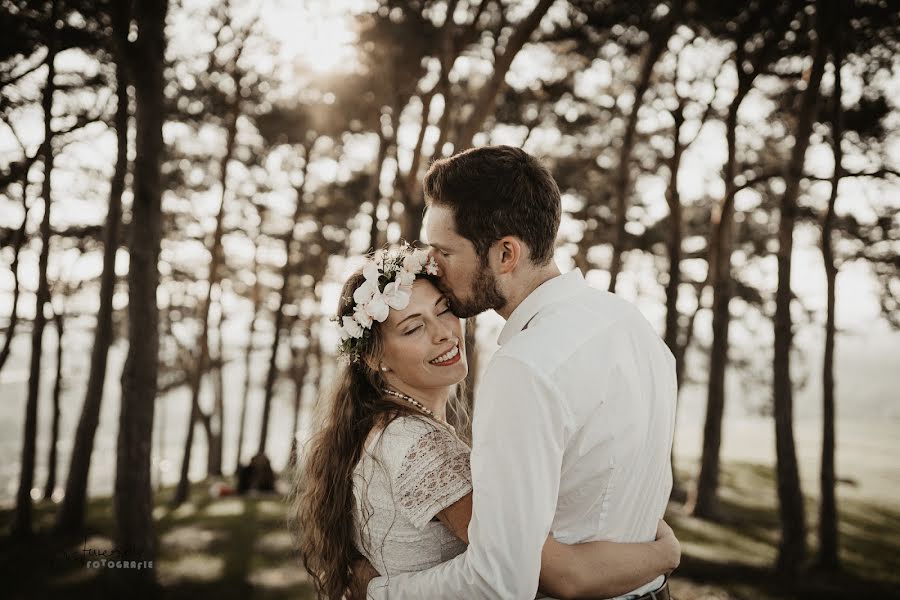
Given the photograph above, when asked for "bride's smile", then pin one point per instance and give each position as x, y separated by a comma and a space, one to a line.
423, 345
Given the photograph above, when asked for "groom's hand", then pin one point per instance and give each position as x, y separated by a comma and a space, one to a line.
363, 573
669, 545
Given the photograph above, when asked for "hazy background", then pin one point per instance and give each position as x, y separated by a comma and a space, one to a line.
296, 135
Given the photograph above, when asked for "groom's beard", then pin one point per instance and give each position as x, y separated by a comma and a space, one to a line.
485, 296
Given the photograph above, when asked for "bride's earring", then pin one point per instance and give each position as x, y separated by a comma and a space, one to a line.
384, 369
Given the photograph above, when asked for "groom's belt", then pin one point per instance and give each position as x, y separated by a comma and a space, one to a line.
660, 594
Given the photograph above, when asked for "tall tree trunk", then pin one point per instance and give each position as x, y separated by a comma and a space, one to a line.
71, 513
133, 498
248, 357
748, 67
214, 451
18, 242
272, 373
161, 426
284, 297
828, 558
655, 48
53, 453
202, 356
299, 369
486, 99
705, 502
792, 547
22, 521
674, 251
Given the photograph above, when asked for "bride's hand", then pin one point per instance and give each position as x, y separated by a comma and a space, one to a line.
668, 545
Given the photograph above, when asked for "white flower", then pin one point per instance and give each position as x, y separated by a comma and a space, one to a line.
351, 327
372, 271
396, 295
431, 267
414, 261
365, 292
406, 278
362, 317
377, 308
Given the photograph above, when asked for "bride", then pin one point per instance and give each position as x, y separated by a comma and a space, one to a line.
387, 477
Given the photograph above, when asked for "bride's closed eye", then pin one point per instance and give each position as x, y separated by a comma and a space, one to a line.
413, 330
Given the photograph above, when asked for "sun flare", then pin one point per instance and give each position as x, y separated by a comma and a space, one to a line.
318, 35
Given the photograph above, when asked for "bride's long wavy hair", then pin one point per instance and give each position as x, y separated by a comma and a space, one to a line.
322, 502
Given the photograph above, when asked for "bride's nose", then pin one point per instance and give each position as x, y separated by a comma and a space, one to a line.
442, 332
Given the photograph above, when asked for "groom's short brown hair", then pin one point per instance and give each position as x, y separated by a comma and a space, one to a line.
496, 191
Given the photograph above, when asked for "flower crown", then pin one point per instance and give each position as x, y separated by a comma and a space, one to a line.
389, 276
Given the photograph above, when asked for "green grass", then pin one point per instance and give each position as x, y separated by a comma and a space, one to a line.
228, 548
233, 548
732, 557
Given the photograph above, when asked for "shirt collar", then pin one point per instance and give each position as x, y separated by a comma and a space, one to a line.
552, 290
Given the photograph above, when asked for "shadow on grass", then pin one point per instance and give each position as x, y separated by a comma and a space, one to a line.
737, 549
239, 547
228, 548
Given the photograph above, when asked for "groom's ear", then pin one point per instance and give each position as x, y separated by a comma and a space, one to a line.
510, 252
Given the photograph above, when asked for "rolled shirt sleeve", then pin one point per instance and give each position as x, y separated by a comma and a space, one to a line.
520, 431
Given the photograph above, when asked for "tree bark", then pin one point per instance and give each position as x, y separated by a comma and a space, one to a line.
828, 558
22, 521
133, 497
792, 546
53, 453
71, 513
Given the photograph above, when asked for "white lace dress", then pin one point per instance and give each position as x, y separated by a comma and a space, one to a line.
408, 473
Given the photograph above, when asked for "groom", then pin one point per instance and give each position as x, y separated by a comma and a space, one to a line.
574, 417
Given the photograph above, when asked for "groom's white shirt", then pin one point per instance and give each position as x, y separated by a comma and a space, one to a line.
572, 436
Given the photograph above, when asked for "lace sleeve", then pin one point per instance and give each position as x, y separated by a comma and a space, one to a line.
434, 473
